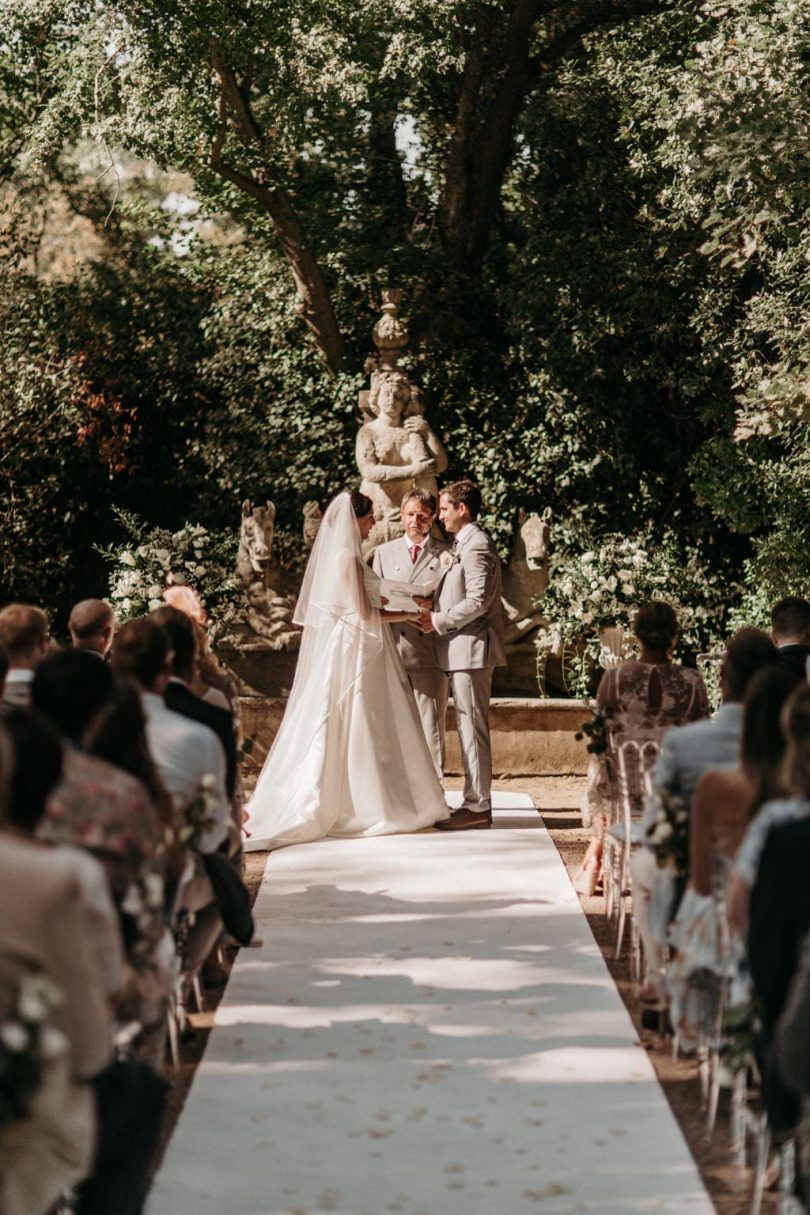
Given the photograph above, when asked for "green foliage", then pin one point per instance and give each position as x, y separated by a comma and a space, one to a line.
634, 352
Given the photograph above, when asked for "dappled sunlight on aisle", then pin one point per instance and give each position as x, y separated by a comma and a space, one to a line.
429, 1028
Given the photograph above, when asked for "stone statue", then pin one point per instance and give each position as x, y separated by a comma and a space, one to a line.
312, 521
525, 577
396, 449
269, 591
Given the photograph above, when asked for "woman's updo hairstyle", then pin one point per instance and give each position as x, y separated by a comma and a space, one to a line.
361, 504
656, 625
796, 725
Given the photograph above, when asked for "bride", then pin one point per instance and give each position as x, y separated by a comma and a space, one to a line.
350, 757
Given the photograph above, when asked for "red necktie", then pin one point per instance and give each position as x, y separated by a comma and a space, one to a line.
415, 551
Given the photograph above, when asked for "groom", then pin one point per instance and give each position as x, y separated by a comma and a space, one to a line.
467, 625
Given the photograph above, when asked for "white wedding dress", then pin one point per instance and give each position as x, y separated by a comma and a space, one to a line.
350, 758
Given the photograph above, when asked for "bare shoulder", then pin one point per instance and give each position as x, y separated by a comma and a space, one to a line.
722, 784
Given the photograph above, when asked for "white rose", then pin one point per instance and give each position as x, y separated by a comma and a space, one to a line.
154, 591
32, 1006
14, 1037
52, 1042
126, 558
164, 556
628, 588
154, 604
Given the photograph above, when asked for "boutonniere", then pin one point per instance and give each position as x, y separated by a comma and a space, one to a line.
448, 560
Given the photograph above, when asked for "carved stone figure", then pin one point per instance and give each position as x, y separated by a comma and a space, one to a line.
312, 521
269, 590
525, 577
396, 451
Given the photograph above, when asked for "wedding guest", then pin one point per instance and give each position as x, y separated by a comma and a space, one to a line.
92, 627
686, 753
724, 803
188, 757
211, 682
726, 800
790, 629
779, 924
795, 721
414, 557
640, 700
24, 633
179, 695
45, 909
96, 805
184, 751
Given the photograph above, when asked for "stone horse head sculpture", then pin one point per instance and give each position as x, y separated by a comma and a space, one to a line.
525, 579
255, 555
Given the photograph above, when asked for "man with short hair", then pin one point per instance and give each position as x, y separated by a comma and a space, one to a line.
414, 557
179, 696
790, 629
467, 623
92, 627
687, 752
184, 751
25, 633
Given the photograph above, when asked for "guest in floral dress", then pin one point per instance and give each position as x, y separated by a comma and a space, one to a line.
640, 700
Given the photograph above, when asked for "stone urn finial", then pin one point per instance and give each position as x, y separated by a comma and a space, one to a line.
390, 334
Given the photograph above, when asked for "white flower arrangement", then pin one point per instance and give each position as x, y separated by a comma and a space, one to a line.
447, 560
28, 1043
604, 586
152, 560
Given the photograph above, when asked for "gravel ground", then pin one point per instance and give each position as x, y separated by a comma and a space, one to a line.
557, 798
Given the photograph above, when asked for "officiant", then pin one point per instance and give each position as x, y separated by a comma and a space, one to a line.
416, 557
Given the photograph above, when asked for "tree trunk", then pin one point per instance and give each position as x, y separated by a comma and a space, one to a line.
313, 294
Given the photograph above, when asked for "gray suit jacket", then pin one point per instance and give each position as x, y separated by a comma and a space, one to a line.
689, 751
393, 560
468, 619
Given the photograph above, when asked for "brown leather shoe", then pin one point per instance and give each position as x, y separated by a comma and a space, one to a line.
466, 820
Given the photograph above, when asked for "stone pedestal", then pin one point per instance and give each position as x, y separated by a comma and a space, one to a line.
529, 737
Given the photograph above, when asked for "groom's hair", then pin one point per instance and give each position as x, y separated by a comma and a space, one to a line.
464, 491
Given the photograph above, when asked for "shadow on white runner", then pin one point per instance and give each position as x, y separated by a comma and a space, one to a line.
428, 1029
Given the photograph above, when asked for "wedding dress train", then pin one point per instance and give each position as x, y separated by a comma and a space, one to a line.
350, 757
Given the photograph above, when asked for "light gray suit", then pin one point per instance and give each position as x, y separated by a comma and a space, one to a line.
427, 679
468, 642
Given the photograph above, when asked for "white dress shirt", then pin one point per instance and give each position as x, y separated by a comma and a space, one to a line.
184, 752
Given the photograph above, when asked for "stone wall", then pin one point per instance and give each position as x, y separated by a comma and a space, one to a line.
529, 737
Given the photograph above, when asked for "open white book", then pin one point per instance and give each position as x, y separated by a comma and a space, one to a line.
400, 594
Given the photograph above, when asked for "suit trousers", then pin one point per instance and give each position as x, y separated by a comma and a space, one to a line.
430, 687
471, 692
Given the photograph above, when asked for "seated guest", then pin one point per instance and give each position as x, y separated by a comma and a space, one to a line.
184, 751
790, 629
106, 811
54, 921
795, 721
686, 753
189, 758
724, 803
780, 907
211, 681
24, 633
92, 627
179, 695
641, 700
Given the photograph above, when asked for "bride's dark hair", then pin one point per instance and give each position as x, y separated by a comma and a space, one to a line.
361, 504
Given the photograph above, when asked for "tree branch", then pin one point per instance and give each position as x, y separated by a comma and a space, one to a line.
316, 305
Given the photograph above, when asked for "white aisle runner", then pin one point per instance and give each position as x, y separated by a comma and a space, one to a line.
429, 1028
